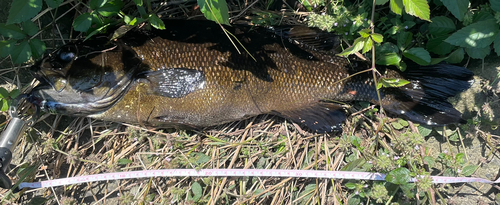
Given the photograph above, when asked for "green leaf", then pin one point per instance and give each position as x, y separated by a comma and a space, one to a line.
53, 3
96, 31
156, 22
460, 158
22, 10
37, 47
6, 48
83, 22
435, 61
397, 6
418, 8
202, 158
367, 46
11, 31
457, 7
365, 33
495, 5
3, 93
404, 40
357, 45
439, 46
496, 44
138, 2
418, 55
476, 35
30, 28
381, 2
95, 4
5, 105
388, 59
110, 8
350, 185
21, 53
391, 82
430, 161
469, 170
398, 176
124, 161
441, 25
482, 16
14, 93
377, 37
215, 10
424, 131
197, 191
478, 53
397, 126
456, 56
38, 200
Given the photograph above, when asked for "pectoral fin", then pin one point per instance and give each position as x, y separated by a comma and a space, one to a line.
320, 117
175, 82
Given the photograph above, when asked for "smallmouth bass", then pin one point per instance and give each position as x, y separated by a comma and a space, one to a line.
192, 75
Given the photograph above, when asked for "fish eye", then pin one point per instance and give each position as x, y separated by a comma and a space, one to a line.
66, 56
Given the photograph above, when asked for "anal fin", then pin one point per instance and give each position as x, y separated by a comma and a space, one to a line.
320, 117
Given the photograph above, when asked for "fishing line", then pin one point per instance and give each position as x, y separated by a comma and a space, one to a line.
241, 173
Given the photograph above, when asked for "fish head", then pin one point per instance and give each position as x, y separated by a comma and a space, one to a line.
83, 78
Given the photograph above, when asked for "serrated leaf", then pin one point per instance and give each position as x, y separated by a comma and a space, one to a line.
215, 10
350, 185
156, 22
138, 2
14, 93
435, 61
124, 161
356, 46
397, 126
381, 2
418, 55
53, 3
404, 40
30, 28
441, 25
377, 37
457, 7
37, 47
197, 191
430, 161
391, 82
438, 46
202, 158
469, 170
496, 44
418, 8
83, 22
11, 31
388, 59
495, 5
456, 56
110, 8
482, 16
476, 35
396, 6
367, 46
365, 33
398, 176
21, 53
22, 10
5, 105
478, 53
3, 93
424, 131
95, 4
6, 48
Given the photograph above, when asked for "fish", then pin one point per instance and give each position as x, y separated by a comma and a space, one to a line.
195, 74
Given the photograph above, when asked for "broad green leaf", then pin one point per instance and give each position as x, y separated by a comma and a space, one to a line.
496, 44
495, 5
397, 126
202, 158
3, 93
482, 16
6, 48
30, 28
22, 10
354, 200
439, 46
14, 93
156, 22
441, 25
215, 10
381, 2
138, 2
367, 46
397, 6
457, 7
110, 8
469, 170
83, 22
5, 105
37, 47
478, 53
391, 82
418, 8
357, 45
430, 161
388, 59
11, 31
96, 31
424, 131
435, 61
124, 161
197, 191
53, 3
21, 53
350, 185
95, 4
377, 37
456, 56
404, 40
418, 55
476, 35
398, 176
38, 200
365, 33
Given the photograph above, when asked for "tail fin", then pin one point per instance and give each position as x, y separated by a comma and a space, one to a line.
425, 99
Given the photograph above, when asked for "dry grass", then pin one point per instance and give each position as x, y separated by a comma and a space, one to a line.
59, 147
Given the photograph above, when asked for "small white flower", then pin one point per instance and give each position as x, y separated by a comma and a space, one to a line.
417, 147
458, 170
335, 24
